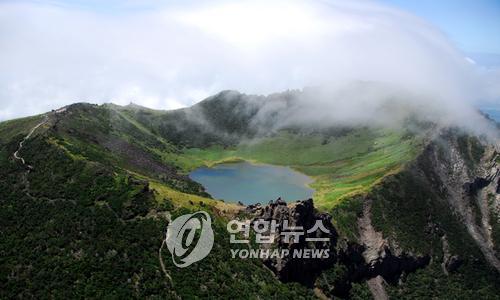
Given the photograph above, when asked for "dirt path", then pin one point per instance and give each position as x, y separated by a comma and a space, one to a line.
20, 158
21, 143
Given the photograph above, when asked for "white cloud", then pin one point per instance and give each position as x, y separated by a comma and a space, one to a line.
179, 53
252, 25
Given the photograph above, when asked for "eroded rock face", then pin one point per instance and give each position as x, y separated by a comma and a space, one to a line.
370, 258
300, 214
467, 176
380, 259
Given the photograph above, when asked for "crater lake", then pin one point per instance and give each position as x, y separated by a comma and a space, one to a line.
252, 183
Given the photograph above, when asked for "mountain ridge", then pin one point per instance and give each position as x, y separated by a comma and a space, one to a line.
130, 164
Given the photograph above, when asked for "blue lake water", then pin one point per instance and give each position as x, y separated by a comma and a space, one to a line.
252, 183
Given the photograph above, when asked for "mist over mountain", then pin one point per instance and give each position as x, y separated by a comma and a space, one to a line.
176, 55
350, 105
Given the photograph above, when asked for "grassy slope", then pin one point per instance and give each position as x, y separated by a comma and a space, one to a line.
340, 166
13, 128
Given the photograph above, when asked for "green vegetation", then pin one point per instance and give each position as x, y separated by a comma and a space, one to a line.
334, 282
343, 161
472, 281
406, 208
341, 166
471, 149
85, 228
345, 216
15, 128
88, 220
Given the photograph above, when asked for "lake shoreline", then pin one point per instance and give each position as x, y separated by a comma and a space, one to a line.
250, 182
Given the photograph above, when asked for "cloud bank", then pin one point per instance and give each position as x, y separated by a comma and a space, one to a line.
179, 53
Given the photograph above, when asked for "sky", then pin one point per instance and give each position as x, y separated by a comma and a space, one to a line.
171, 54
474, 26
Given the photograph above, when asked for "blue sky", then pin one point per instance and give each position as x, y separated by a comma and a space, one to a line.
474, 25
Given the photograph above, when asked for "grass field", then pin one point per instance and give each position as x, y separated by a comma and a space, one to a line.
190, 201
340, 166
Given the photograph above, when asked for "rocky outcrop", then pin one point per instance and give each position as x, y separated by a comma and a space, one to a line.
300, 214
